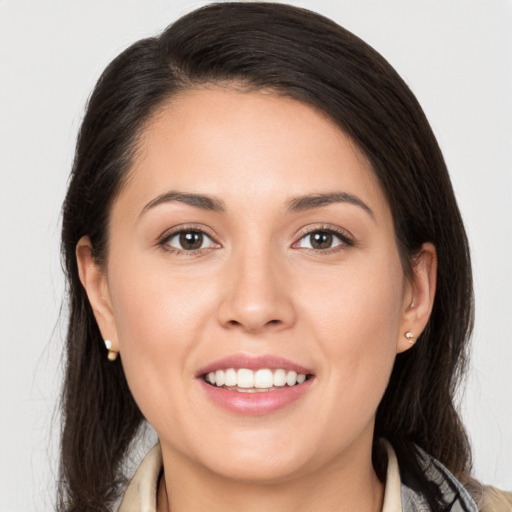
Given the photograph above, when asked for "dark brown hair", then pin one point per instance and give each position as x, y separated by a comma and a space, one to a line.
302, 55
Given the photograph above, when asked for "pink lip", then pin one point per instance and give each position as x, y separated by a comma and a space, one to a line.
252, 363
255, 404
259, 403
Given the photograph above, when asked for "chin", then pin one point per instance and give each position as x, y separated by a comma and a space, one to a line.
258, 469
263, 457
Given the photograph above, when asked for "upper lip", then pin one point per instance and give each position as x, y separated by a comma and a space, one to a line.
252, 363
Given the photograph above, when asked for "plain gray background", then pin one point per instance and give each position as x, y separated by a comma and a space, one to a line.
455, 54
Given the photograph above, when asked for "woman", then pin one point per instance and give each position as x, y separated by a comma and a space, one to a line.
267, 263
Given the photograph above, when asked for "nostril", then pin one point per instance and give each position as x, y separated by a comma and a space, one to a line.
269, 322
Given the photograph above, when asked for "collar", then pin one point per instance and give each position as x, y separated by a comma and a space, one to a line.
400, 494
453, 492
140, 495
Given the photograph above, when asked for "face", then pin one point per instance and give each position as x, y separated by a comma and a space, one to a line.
253, 286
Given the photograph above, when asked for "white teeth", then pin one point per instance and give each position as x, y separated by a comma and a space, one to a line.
246, 379
291, 378
279, 378
263, 379
219, 378
230, 377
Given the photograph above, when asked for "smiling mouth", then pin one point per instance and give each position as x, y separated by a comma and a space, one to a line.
263, 380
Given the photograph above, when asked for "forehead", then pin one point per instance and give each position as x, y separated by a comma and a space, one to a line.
247, 147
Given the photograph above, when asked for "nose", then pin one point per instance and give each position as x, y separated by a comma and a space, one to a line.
257, 293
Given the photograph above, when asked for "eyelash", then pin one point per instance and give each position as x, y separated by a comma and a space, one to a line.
345, 239
163, 242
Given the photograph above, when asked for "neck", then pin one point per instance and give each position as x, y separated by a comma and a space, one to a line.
340, 486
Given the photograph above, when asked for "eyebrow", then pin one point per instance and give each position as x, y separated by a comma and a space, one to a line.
302, 203
202, 201
297, 204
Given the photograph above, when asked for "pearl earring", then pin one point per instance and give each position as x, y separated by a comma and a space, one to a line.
409, 337
112, 355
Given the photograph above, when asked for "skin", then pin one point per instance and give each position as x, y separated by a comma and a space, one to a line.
257, 287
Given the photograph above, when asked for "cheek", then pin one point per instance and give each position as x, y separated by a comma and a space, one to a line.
357, 319
155, 307
159, 319
360, 304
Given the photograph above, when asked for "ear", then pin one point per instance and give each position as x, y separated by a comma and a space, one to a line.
419, 296
94, 280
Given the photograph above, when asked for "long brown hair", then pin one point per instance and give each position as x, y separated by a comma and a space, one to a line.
302, 55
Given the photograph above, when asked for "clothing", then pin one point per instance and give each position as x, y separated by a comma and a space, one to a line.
399, 495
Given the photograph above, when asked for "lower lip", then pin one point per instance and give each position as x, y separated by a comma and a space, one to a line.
255, 404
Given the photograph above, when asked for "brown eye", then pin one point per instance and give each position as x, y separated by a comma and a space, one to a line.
189, 240
322, 240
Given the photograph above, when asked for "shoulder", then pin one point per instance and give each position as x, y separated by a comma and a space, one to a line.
485, 497
495, 500
468, 495
488, 498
